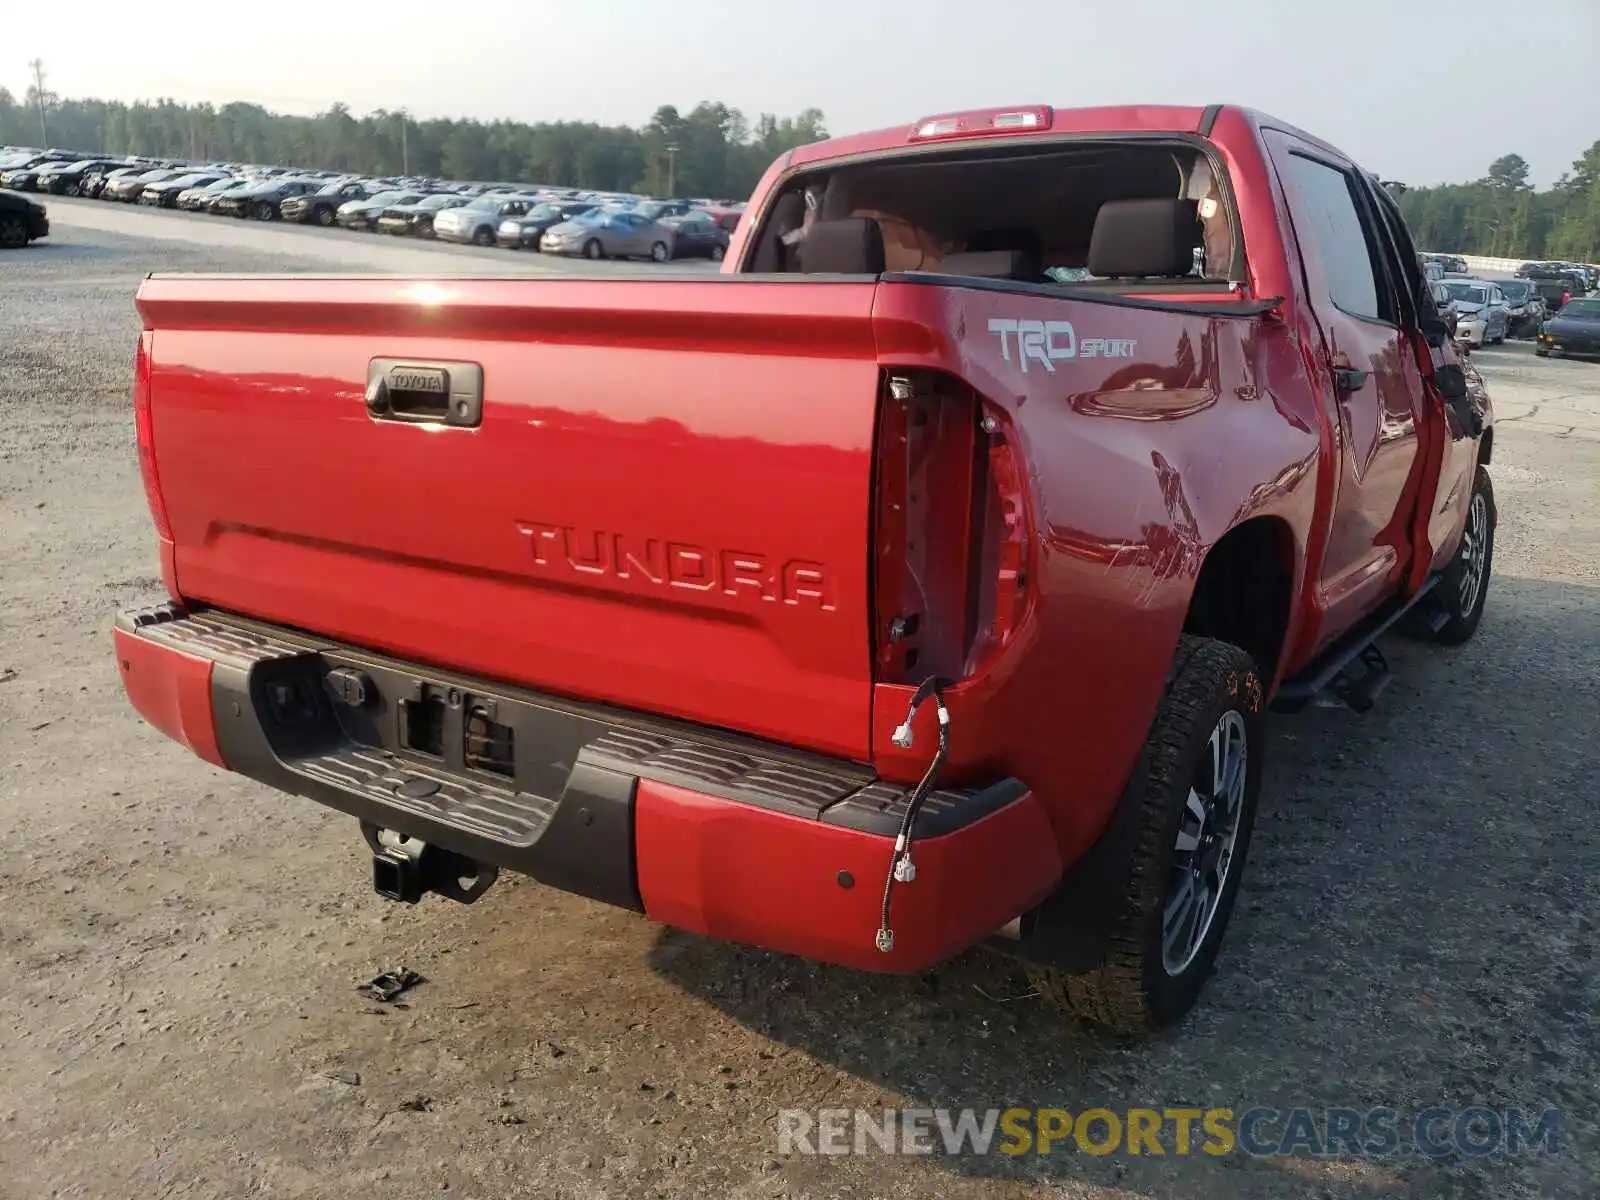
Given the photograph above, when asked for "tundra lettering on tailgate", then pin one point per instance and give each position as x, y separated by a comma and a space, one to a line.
649, 563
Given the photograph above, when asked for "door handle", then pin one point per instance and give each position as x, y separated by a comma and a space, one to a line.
1349, 379
425, 392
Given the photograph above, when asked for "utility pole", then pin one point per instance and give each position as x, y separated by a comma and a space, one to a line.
672, 169
37, 67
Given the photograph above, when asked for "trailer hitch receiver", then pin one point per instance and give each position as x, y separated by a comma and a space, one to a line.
406, 869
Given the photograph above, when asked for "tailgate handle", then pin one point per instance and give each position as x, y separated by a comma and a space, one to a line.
419, 392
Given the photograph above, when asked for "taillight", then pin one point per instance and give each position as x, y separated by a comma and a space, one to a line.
144, 429
950, 531
1002, 545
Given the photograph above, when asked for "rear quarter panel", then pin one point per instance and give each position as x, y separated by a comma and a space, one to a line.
1136, 465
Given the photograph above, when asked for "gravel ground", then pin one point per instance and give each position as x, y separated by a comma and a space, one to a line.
178, 1014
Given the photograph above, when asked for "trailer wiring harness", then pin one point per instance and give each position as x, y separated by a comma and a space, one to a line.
901, 868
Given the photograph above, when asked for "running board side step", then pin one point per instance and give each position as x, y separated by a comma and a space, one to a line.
1353, 672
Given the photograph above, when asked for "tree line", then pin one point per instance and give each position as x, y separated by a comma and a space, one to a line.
712, 150
1503, 216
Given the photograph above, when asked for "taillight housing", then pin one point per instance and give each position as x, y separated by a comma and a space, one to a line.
950, 530
144, 431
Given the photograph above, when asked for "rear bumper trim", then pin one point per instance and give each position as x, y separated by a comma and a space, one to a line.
600, 799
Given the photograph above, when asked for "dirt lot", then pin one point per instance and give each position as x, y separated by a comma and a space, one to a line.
180, 947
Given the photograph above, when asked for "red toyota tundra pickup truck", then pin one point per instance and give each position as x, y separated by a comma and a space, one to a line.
916, 582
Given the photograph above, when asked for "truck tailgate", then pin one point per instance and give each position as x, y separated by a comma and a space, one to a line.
664, 506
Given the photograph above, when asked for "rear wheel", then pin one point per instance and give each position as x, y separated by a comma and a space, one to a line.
13, 233
1464, 589
1196, 790
717, 253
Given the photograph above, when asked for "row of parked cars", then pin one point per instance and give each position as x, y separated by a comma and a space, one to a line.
1546, 301
555, 220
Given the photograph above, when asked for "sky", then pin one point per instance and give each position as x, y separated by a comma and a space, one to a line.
1424, 91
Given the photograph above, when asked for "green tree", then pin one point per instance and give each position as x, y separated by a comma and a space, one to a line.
1502, 215
716, 150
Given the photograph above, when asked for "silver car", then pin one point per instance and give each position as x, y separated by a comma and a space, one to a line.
479, 221
611, 234
1483, 318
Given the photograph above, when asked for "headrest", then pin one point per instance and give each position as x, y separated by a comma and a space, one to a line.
849, 246
987, 264
1145, 238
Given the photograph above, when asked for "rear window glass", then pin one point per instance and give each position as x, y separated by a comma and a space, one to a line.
1038, 205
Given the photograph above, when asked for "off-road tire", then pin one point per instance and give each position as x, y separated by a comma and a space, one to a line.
1464, 616
1132, 992
13, 233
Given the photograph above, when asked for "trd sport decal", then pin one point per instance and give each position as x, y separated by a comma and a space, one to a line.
1048, 342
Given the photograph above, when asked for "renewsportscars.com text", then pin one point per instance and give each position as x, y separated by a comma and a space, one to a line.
1259, 1132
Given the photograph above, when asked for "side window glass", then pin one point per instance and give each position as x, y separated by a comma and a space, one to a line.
1344, 248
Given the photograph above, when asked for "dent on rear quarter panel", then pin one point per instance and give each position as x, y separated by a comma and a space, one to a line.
1136, 465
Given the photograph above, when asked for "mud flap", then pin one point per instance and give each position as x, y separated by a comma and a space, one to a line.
1072, 928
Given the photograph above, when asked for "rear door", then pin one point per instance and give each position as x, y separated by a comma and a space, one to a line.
695, 232
1378, 390
1448, 437
634, 228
